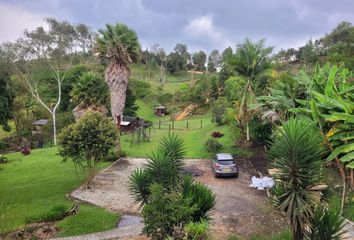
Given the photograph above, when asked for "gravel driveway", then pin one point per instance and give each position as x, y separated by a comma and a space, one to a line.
239, 209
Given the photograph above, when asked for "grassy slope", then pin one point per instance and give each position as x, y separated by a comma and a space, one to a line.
31, 185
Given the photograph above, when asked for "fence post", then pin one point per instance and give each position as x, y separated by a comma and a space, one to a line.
173, 124
169, 128
187, 125
160, 124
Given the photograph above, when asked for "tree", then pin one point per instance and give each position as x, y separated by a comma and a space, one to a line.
218, 110
214, 61
90, 90
175, 63
5, 92
199, 59
118, 44
45, 55
130, 106
251, 60
308, 54
87, 143
338, 45
296, 153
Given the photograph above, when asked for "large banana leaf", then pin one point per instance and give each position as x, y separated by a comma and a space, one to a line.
334, 117
330, 85
347, 148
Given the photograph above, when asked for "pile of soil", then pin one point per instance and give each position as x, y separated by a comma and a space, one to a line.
34, 231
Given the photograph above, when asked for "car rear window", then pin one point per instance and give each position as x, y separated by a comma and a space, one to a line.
226, 162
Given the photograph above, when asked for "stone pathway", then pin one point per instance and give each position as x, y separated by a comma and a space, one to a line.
129, 226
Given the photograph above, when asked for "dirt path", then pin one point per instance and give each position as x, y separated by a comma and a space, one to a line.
239, 209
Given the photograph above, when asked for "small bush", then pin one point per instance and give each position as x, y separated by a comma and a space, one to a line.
3, 159
114, 155
213, 146
196, 231
217, 134
54, 214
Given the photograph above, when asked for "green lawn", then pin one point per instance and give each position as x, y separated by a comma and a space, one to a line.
194, 139
31, 185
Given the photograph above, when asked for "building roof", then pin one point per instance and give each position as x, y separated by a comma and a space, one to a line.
224, 156
41, 122
160, 107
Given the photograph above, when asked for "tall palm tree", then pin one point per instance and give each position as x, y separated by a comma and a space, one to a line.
251, 60
120, 46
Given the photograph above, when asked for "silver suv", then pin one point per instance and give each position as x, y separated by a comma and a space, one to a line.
223, 164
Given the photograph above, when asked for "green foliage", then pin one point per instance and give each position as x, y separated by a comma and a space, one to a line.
202, 198
196, 231
71, 77
175, 63
234, 86
169, 200
118, 43
163, 167
251, 60
213, 146
5, 93
89, 90
260, 131
327, 224
55, 213
165, 211
3, 159
130, 107
141, 89
218, 110
87, 143
296, 152
214, 60
199, 59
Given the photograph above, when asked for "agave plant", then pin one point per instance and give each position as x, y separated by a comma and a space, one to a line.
327, 224
296, 152
202, 198
163, 167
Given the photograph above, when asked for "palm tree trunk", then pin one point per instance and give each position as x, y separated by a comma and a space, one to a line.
117, 76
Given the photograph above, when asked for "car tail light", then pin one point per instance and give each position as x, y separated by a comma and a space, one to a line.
218, 167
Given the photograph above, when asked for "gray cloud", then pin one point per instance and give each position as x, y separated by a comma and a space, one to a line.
204, 24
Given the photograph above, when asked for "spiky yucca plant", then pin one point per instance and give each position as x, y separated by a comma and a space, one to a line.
296, 152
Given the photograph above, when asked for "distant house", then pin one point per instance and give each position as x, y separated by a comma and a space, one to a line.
38, 125
160, 111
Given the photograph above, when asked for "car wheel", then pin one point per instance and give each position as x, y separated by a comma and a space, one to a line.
236, 175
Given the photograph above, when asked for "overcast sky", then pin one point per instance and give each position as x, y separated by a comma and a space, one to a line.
202, 25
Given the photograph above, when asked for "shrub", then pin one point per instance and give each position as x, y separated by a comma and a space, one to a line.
217, 134
218, 110
56, 213
141, 89
260, 131
87, 143
165, 211
213, 146
3, 159
89, 90
196, 231
113, 155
